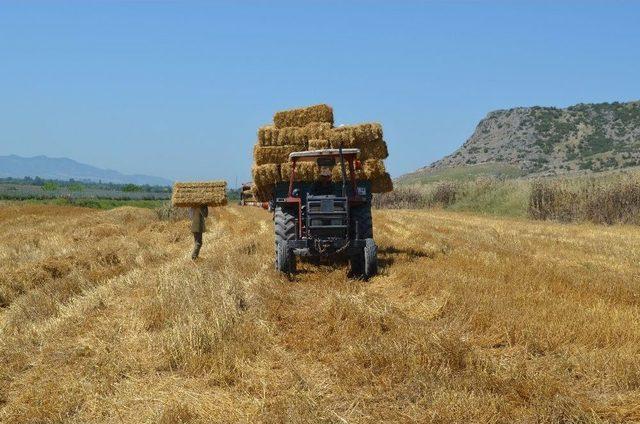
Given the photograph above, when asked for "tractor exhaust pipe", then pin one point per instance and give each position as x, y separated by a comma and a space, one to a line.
344, 172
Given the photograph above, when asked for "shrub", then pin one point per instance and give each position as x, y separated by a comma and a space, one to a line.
606, 200
445, 193
551, 200
49, 186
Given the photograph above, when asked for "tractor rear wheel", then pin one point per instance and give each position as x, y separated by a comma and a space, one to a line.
285, 230
364, 265
361, 220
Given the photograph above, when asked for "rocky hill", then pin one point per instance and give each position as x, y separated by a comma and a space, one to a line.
549, 141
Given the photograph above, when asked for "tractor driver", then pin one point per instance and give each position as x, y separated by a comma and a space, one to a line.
324, 186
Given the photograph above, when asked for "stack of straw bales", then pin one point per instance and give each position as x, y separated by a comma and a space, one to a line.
311, 128
194, 194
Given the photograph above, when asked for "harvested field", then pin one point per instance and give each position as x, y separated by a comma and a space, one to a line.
303, 116
472, 319
194, 194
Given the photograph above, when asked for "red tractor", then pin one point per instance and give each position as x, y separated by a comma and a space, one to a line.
324, 218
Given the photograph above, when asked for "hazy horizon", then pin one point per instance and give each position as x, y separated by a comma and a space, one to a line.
178, 89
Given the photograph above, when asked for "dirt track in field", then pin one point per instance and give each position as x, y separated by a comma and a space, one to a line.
106, 319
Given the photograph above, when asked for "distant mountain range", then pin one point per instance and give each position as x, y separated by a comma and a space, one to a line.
66, 169
549, 141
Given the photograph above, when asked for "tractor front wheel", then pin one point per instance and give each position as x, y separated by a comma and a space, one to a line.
285, 259
285, 230
370, 259
364, 265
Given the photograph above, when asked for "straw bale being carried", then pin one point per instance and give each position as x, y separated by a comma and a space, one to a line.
263, 155
376, 149
303, 116
264, 175
194, 194
382, 184
355, 135
373, 168
305, 171
300, 136
336, 173
319, 144
262, 194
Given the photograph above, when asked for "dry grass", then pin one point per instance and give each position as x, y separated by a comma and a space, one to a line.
472, 319
607, 199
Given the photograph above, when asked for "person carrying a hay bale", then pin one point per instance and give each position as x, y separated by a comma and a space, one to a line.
198, 227
198, 196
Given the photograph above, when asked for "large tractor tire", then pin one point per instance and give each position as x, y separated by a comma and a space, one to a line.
364, 265
285, 259
362, 216
370, 259
285, 230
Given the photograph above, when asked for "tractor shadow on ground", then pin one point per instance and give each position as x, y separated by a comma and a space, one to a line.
389, 254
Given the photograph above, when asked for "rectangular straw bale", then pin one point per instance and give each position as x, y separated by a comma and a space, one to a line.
318, 144
305, 171
263, 155
271, 136
268, 135
382, 184
374, 150
194, 194
355, 135
373, 168
264, 175
262, 193
337, 173
303, 116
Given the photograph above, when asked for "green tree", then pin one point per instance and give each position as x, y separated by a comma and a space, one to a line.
49, 186
131, 188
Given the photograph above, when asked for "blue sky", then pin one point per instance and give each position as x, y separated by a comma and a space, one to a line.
178, 88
